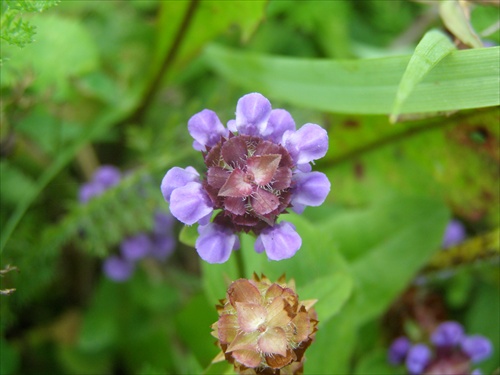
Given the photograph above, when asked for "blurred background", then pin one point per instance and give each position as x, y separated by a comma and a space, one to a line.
98, 278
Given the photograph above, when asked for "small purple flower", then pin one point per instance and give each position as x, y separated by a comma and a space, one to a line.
417, 359
103, 178
477, 347
135, 248
398, 350
476, 372
454, 234
256, 169
117, 268
447, 334
107, 176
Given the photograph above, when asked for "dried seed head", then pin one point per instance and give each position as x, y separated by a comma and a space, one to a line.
263, 328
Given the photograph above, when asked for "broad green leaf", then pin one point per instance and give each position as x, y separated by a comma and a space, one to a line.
433, 47
385, 270
193, 323
463, 79
375, 363
453, 14
217, 277
188, 235
10, 358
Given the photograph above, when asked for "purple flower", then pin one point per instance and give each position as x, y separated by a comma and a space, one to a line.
476, 347
117, 268
476, 372
454, 234
135, 248
398, 350
103, 178
447, 334
256, 169
417, 359
107, 176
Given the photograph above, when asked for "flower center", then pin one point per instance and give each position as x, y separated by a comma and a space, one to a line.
249, 179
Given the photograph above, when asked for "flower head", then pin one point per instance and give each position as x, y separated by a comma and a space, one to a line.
454, 234
263, 328
256, 169
452, 352
104, 177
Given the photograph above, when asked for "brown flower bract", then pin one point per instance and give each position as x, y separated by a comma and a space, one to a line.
263, 328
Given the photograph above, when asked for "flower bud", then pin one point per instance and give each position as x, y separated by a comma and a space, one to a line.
263, 328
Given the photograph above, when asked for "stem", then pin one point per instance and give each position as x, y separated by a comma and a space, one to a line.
240, 263
147, 99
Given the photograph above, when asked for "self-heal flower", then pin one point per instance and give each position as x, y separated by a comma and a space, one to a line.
256, 169
263, 328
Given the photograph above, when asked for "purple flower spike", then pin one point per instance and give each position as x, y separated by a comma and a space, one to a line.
190, 203
177, 177
308, 143
447, 334
454, 234
311, 189
163, 223
280, 241
279, 122
215, 243
135, 248
477, 347
256, 169
252, 112
418, 358
206, 129
118, 269
107, 176
398, 350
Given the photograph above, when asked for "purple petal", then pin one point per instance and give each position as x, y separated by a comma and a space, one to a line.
135, 248
163, 223
279, 122
215, 243
454, 234
88, 191
107, 176
177, 177
447, 334
162, 246
476, 372
206, 129
418, 357
280, 241
398, 350
477, 347
117, 269
190, 203
308, 143
252, 113
311, 189
259, 246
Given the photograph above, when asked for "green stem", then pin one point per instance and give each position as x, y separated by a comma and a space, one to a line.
240, 263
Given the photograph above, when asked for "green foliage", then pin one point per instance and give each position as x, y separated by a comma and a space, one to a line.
15, 30
116, 83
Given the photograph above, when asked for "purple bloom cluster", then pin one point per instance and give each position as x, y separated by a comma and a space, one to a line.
452, 352
158, 245
454, 234
104, 177
256, 169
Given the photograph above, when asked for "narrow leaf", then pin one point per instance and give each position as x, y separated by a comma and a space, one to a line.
464, 79
433, 47
454, 17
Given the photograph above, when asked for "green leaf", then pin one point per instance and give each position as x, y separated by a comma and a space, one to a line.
188, 235
433, 47
463, 79
388, 265
453, 14
375, 363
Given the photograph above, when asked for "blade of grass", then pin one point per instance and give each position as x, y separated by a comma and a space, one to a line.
464, 79
433, 47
